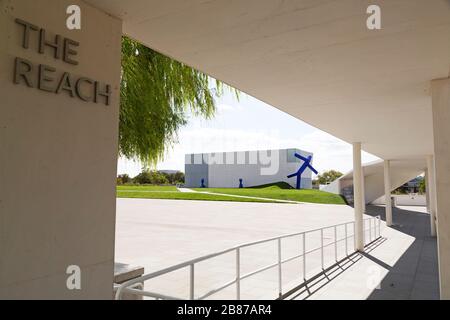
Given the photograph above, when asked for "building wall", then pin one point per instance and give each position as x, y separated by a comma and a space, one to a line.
196, 169
58, 157
225, 169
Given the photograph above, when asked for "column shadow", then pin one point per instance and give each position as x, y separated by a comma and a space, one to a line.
415, 274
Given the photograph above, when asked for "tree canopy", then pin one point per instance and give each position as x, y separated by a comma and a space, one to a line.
328, 176
157, 95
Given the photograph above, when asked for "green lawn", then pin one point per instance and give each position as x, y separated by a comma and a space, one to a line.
157, 192
275, 192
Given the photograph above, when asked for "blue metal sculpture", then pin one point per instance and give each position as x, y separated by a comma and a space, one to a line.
241, 183
300, 171
203, 183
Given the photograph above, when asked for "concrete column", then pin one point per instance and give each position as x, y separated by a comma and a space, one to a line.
363, 190
59, 119
441, 132
431, 190
357, 197
387, 192
427, 190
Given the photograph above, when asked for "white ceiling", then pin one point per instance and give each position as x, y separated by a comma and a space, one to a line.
314, 59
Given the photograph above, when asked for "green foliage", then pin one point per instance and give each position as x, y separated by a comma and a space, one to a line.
422, 186
150, 177
157, 95
174, 178
123, 179
146, 188
328, 176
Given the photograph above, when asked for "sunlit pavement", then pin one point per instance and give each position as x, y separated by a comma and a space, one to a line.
159, 233
403, 265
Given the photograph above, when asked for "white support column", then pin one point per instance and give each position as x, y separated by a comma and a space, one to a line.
357, 197
431, 190
441, 132
427, 190
387, 192
363, 190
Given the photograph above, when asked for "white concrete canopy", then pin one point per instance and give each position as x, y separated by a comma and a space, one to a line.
313, 58
401, 171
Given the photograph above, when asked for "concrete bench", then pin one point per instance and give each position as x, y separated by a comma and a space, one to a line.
124, 272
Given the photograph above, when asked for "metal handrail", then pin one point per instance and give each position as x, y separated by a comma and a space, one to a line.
126, 287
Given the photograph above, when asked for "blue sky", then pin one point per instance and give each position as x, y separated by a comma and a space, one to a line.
250, 124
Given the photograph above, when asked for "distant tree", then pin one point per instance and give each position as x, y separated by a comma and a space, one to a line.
158, 178
123, 179
178, 177
142, 178
174, 178
315, 183
415, 185
422, 186
150, 177
328, 176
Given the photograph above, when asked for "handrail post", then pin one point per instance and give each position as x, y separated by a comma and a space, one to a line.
374, 229
238, 274
321, 247
379, 226
346, 240
280, 289
370, 230
335, 244
191, 282
304, 256
364, 232
376, 225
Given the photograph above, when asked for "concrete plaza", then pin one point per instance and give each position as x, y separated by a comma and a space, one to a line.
159, 233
